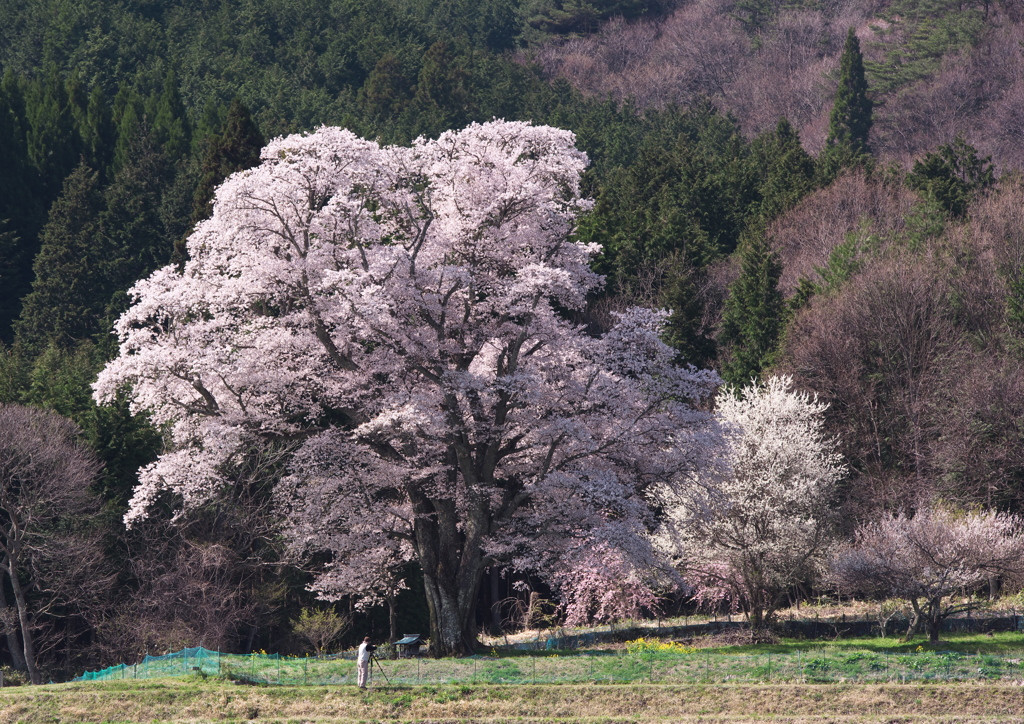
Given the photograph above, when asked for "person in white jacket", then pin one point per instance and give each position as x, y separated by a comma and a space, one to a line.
366, 650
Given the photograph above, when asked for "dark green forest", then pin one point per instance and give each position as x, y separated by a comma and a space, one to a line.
888, 279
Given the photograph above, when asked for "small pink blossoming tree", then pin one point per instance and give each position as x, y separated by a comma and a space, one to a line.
396, 315
929, 559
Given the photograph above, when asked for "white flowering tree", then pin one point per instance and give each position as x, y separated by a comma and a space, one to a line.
929, 558
759, 522
397, 316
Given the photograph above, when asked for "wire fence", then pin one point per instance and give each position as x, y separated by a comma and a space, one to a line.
705, 666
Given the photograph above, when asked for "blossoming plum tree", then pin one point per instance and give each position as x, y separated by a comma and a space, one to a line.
929, 558
397, 317
759, 523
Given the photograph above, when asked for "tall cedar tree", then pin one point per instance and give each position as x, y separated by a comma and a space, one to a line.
235, 149
99, 133
442, 98
682, 200
132, 227
783, 169
952, 176
128, 116
850, 121
754, 314
54, 146
66, 300
172, 131
686, 330
18, 204
387, 91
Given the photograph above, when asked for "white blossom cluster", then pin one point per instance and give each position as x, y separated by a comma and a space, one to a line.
760, 520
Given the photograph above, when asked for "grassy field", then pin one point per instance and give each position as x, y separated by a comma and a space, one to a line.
962, 680
962, 657
183, 700
1003, 643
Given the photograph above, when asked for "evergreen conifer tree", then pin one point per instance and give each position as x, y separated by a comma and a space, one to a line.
127, 116
208, 127
952, 176
68, 294
11, 277
387, 91
19, 208
783, 169
171, 129
685, 329
442, 99
754, 315
54, 146
132, 228
850, 121
235, 148
99, 133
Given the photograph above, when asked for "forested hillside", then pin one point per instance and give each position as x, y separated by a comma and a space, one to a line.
831, 191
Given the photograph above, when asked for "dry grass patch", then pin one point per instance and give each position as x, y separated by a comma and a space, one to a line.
184, 701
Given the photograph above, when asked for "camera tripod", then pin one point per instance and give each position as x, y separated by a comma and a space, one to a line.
380, 668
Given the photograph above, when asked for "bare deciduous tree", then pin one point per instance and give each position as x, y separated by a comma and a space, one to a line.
45, 473
806, 235
210, 576
877, 351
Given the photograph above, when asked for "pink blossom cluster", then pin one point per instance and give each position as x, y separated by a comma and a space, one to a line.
401, 317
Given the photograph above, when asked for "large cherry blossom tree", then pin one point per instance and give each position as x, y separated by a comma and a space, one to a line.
399, 317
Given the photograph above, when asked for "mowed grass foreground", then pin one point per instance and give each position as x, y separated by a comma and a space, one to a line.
184, 700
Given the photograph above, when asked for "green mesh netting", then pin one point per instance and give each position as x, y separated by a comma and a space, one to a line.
257, 668
563, 667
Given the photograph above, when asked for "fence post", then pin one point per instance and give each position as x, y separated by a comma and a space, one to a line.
533, 660
305, 670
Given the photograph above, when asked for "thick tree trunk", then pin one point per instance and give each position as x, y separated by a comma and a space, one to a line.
915, 619
452, 618
449, 550
758, 602
11, 631
392, 619
26, 627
